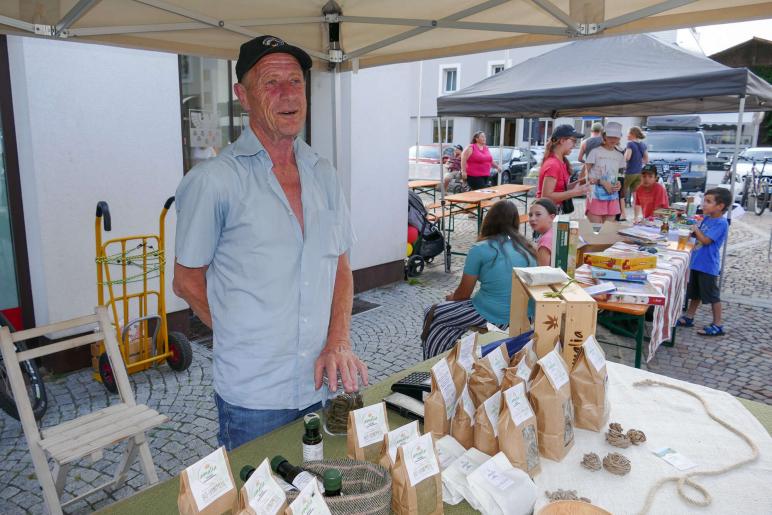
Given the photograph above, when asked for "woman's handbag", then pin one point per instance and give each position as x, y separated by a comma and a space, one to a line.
567, 206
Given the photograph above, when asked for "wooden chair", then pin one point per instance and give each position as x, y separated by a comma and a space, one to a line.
88, 435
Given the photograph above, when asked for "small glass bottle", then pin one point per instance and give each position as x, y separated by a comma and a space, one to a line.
246, 471
313, 445
665, 227
333, 482
293, 475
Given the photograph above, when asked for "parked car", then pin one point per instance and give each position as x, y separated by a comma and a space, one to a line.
520, 161
573, 158
427, 166
676, 144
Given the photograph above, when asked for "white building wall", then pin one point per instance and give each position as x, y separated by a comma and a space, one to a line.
92, 123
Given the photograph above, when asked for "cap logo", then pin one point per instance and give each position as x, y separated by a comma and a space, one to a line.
272, 42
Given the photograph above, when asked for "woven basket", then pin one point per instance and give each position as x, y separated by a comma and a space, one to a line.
366, 487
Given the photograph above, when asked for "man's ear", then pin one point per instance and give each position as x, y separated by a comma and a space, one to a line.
241, 93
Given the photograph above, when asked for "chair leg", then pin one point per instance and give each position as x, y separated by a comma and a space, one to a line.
146, 460
60, 477
43, 473
129, 455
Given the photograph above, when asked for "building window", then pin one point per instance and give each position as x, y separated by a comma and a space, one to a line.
495, 67
450, 78
445, 132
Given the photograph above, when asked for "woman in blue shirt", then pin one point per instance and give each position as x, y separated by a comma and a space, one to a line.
499, 248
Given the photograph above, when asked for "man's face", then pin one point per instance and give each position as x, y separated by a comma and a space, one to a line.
274, 93
612, 140
648, 179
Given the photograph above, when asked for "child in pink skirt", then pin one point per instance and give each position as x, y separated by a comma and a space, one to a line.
602, 166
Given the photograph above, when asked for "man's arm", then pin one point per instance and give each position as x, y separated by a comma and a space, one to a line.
337, 356
190, 285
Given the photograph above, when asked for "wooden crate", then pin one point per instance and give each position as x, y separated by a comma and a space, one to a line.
570, 318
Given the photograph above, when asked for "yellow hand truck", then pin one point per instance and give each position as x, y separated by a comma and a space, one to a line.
125, 268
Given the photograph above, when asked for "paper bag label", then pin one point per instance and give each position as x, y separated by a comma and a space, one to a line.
554, 369
209, 478
498, 363
401, 436
444, 379
495, 475
310, 501
467, 404
420, 459
465, 356
519, 408
492, 408
523, 371
370, 424
264, 495
594, 354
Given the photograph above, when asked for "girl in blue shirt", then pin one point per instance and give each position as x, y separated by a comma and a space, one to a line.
499, 248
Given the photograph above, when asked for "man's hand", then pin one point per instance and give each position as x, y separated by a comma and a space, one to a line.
338, 357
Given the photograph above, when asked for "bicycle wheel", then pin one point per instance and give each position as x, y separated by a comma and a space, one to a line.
763, 196
36, 389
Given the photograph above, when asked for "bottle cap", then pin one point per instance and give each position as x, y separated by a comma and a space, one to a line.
312, 421
276, 461
332, 480
245, 472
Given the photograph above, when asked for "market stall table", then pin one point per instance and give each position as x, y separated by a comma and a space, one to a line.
424, 186
668, 418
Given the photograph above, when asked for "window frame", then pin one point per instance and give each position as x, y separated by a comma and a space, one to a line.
443, 69
497, 62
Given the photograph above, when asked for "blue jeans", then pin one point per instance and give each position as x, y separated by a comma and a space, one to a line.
240, 425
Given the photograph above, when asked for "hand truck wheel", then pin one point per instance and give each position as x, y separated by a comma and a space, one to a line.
106, 373
182, 352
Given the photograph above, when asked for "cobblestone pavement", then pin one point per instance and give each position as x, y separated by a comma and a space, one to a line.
387, 338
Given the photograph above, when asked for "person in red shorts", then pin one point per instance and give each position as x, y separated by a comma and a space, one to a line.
650, 195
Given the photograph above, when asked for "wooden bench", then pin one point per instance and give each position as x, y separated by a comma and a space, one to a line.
88, 435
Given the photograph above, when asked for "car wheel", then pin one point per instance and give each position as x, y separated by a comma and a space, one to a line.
505, 177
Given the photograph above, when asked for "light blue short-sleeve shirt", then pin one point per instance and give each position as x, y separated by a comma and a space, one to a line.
269, 285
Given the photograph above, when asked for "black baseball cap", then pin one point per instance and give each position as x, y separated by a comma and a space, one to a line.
459, 147
649, 168
566, 131
255, 49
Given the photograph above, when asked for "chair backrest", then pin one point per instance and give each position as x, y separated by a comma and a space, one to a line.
12, 358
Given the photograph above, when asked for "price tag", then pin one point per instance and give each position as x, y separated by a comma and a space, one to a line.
519, 408
444, 378
554, 369
420, 459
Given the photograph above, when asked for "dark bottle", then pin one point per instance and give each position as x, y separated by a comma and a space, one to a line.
665, 227
296, 476
313, 446
246, 471
332, 482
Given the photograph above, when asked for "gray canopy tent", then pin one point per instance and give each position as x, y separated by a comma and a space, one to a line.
632, 75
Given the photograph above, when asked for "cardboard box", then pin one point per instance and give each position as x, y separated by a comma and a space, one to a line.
622, 261
569, 318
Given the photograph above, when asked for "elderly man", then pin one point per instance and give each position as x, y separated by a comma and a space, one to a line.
262, 232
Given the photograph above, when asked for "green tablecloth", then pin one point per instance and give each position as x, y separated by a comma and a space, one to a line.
286, 441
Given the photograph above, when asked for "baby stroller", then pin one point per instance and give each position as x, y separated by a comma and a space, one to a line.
430, 242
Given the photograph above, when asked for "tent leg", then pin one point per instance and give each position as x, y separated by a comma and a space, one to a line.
501, 150
336, 118
442, 199
738, 136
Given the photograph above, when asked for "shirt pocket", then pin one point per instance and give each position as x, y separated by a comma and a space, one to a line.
329, 233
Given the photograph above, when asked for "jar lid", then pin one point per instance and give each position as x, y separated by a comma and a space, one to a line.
332, 479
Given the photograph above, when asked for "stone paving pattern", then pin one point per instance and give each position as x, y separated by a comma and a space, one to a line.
387, 338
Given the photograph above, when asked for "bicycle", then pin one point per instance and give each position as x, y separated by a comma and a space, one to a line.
756, 185
36, 389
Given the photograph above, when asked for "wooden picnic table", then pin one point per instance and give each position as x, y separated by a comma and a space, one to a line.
424, 186
478, 201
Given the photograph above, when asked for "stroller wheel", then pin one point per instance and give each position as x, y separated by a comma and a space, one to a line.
415, 266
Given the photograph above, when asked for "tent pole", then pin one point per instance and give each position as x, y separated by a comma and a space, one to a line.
501, 150
738, 136
336, 117
418, 114
442, 198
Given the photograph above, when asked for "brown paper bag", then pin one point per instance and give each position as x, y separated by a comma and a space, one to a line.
528, 351
394, 439
486, 425
464, 354
448, 381
207, 486
416, 483
517, 430
462, 424
550, 396
589, 387
366, 428
487, 375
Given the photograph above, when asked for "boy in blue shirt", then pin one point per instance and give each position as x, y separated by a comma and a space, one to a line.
706, 262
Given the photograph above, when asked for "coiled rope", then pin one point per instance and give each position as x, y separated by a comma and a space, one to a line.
687, 479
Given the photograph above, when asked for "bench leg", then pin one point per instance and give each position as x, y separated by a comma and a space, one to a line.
671, 343
129, 455
50, 496
60, 477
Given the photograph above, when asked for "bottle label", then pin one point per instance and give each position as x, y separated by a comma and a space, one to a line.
313, 452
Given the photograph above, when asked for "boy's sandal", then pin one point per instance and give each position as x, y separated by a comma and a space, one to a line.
712, 330
685, 321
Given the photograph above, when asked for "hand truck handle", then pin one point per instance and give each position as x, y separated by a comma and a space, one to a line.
168, 203
103, 211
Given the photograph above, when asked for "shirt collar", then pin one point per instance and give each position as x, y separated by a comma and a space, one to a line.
249, 145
